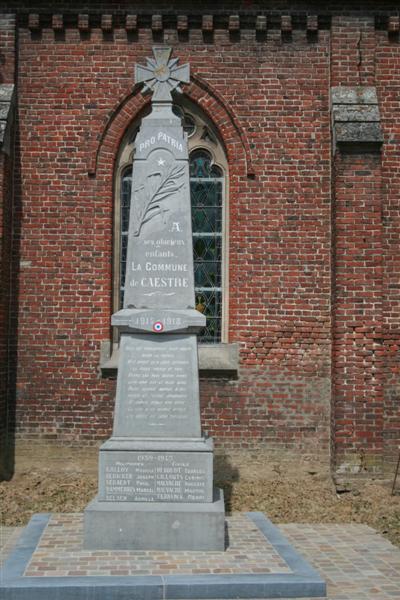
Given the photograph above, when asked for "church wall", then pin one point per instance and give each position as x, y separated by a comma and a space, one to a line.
357, 375
279, 239
318, 360
387, 75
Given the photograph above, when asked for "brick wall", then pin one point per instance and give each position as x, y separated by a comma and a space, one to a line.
387, 75
7, 46
365, 311
358, 354
312, 283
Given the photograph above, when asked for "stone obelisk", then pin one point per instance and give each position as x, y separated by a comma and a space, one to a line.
156, 471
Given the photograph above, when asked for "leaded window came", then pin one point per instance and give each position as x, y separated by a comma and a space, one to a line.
206, 192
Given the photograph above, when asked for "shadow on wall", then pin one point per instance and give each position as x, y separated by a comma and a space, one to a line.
7, 455
225, 475
2, 62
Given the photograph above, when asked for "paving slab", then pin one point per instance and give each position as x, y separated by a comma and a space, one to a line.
356, 562
8, 539
49, 561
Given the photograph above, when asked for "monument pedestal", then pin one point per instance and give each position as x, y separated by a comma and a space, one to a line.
156, 494
156, 470
155, 525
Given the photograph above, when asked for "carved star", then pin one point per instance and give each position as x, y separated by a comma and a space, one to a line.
161, 75
161, 162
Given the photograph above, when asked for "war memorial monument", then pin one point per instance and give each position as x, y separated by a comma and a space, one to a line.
156, 471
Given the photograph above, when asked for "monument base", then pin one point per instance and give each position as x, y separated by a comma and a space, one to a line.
48, 563
155, 525
156, 470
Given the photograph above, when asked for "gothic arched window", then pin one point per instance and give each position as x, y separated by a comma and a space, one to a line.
206, 192
208, 174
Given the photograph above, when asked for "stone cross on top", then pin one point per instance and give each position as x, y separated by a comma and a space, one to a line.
162, 75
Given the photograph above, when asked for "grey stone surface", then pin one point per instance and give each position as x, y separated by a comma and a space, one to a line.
157, 526
162, 75
6, 92
354, 113
152, 495
7, 21
203, 444
358, 132
159, 270
218, 359
355, 119
354, 95
157, 387
6, 115
4, 108
134, 320
151, 476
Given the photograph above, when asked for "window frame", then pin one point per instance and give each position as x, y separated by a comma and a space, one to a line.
222, 180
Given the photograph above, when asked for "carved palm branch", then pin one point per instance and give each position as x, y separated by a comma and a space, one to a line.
156, 188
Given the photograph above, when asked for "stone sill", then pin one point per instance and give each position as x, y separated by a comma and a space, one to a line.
215, 360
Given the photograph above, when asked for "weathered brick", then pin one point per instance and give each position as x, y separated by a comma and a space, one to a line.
106, 22
207, 23
57, 22
131, 22
157, 22
182, 23
234, 23
33, 21
83, 22
313, 240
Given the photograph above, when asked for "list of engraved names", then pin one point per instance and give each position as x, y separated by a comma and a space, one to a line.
158, 477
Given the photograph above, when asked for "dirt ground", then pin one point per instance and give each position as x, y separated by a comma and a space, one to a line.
307, 498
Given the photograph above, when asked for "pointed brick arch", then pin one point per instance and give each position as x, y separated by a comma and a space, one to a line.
104, 147
104, 152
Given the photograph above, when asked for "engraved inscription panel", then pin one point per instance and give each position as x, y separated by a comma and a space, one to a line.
157, 392
156, 477
159, 269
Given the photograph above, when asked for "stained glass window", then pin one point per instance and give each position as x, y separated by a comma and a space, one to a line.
126, 185
206, 188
